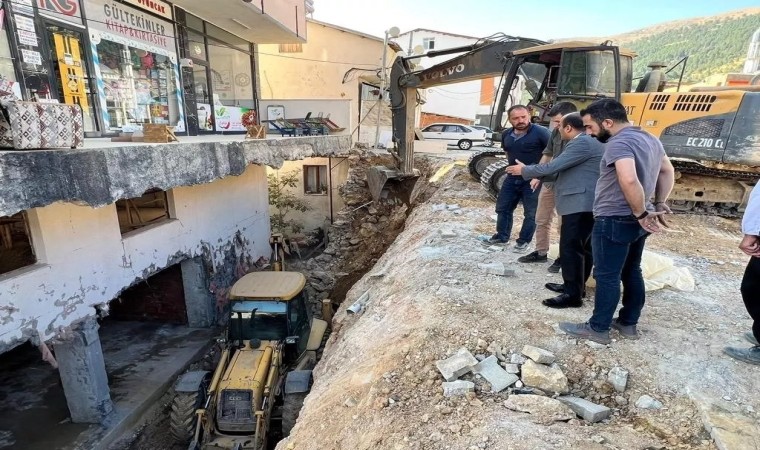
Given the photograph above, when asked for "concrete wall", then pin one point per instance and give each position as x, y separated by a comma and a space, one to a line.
317, 72
320, 204
84, 261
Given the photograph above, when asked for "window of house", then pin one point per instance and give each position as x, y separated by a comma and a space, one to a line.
16, 249
428, 43
291, 48
135, 213
315, 180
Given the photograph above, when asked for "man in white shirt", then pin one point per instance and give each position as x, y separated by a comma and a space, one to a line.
751, 282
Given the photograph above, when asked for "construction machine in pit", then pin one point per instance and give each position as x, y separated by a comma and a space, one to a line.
264, 372
712, 135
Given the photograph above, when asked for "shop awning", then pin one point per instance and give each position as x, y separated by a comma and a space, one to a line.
257, 21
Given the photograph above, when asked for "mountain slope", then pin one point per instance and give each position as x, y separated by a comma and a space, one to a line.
716, 44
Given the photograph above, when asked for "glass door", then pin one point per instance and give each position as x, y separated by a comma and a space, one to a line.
203, 101
70, 69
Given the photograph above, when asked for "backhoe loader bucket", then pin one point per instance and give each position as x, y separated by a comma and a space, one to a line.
385, 182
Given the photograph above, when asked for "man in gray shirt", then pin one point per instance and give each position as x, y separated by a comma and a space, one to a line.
751, 282
635, 180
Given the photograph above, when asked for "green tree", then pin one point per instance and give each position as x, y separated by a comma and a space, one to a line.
283, 200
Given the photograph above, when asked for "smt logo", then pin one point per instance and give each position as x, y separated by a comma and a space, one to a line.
66, 7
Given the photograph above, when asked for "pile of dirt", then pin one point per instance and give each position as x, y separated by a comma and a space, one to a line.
377, 385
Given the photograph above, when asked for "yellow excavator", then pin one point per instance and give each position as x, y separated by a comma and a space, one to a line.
264, 372
712, 135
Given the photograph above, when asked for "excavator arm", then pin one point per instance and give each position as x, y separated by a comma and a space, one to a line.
486, 59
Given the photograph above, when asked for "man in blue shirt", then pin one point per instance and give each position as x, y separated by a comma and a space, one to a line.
525, 141
751, 282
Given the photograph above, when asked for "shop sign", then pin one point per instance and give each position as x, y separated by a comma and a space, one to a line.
155, 6
131, 24
63, 7
27, 37
31, 57
23, 6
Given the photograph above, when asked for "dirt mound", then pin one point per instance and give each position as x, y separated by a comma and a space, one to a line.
377, 386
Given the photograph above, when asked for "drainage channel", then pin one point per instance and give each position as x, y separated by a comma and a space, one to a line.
358, 238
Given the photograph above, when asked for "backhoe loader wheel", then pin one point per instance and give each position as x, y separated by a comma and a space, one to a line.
291, 406
182, 417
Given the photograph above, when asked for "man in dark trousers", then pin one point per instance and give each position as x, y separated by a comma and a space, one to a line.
524, 141
751, 282
577, 170
635, 180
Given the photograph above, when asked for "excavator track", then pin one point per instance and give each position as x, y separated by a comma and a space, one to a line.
493, 177
712, 208
479, 161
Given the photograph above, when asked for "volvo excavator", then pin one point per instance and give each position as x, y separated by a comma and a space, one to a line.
712, 135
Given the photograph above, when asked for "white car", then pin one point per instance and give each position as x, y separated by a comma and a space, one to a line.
454, 134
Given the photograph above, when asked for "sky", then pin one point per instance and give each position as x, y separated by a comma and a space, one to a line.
545, 20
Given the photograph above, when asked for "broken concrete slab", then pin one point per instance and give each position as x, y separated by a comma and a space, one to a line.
512, 368
456, 365
545, 409
499, 378
730, 429
497, 268
457, 388
447, 233
618, 378
591, 412
547, 378
514, 358
538, 355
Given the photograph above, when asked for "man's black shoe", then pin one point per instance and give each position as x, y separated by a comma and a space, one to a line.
532, 257
563, 301
556, 287
555, 267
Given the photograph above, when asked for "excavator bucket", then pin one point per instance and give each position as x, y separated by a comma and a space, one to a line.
386, 182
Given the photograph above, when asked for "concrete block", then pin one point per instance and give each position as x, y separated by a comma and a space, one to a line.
499, 378
538, 355
547, 378
456, 365
497, 268
618, 378
590, 412
512, 368
447, 233
457, 388
517, 359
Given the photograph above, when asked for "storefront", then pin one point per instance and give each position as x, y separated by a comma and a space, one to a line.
135, 64
39, 28
219, 85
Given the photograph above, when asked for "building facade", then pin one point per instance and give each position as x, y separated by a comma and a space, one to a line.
188, 64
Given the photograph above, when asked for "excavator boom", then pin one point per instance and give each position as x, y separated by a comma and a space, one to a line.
486, 59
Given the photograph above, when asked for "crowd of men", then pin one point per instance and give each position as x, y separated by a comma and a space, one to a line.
609, 182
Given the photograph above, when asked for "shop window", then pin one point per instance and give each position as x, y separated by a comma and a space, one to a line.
7, 71
196, 45
291, 48
194, 22
16, 249
140, 86
231, 85
428, 43
315, 180
150, 208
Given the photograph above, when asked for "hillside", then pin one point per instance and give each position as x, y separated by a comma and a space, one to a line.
714, 44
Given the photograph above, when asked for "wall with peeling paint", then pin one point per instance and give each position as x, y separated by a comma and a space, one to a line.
84, 261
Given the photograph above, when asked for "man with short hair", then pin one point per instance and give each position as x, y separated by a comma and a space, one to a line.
524, 141
750, 287
635, 180
577, 170
546, 204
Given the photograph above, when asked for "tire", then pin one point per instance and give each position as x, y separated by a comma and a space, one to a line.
488, 142
464, 144
182, 418
479, 162
494, 177
291, 406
